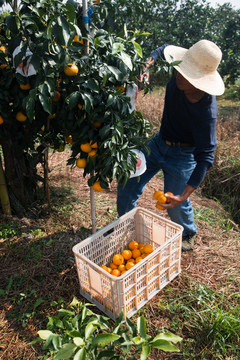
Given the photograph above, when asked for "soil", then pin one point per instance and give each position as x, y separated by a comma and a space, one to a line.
37, 260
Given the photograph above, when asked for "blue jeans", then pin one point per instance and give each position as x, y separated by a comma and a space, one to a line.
177, 164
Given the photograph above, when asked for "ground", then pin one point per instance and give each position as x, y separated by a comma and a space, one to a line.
37, 264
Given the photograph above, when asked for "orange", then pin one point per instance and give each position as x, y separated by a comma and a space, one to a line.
4, 66
104, 267
56, 97
86, 147
131, 260
81, 163
160, 207
169, 200
129, 265
1, 120
96, 124
139, 258
127, 254
25, 86
162, 199
116, 272
97, 187
68, 139
80, 106
113, 266
136, 253
148, 249
76, 39
21, 117
93, 146
118, 259
71, 69
52, 116
156, 194
140, 245
121, 267
92, 153
108, 269
133, 245
4, 50
123, 272
120, 87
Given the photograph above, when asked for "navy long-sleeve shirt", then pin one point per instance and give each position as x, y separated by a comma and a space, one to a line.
187, 122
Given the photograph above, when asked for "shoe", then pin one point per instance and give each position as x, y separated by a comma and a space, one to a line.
188, 242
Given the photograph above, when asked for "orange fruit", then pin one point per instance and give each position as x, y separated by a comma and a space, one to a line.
127, 254
68, 139
97, 124
123, 272
104, 267
156, 194
118, 259
121, 267
80, 106
81, 163
136, 253
76, 39
97, 187
129, 265
139, 258
71, 69
25, 86
116, 272
131, 260
86, 147
92, 153
52, 116
113, 266
56, 97
133, 245
160, 207
148, 249
21, 117
162, 199
120, 87
169, 200
140, 245
4, 50
93, 145
1, 120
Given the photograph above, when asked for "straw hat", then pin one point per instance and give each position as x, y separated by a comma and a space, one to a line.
198, 65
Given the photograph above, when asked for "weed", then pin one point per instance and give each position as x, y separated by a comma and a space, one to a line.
7, 230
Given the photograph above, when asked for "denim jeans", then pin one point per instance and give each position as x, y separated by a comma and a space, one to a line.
177, 164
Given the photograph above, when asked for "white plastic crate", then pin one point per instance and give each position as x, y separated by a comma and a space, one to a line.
132, 290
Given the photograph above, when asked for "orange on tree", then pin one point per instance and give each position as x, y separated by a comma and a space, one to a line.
71, 69
81, 163
136, 253
1, 120
127, 254
97, 124
116, 272
148, 249
56, 97
76, 39
4, 66
97, 187
4, 50
21, 117
118, 259
25, 86
133, 245
93, 145
68, 139
92, 153
80, 106
86, 147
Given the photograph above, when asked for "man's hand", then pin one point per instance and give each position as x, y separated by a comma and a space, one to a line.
177, 199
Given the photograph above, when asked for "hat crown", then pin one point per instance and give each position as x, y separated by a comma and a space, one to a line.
205, 55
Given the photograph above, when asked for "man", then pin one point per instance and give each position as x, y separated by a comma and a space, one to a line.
184, 147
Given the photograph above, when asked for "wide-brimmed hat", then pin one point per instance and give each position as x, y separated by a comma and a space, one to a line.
198, 65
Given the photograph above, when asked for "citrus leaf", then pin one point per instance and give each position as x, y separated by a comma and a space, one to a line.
137, 48
105, 339
80, 355
145, 352
44, 334
66, 351
141, 326
78, 341
116, 72
127, 60
164, 345
117, 47
168, 336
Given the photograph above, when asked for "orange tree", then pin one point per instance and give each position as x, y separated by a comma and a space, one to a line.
69, 98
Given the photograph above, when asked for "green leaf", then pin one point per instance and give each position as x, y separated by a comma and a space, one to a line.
138, 340
137, 48
105, 339
78, 341
46, 103
71, 14
145, 352
80, 355
141, 326
127, 60
116, 72
164, 345
65, 352
92, 85
105, 354
13, 23
131, 327
44, 334
74, 302
37, 303
168, 336
65, 28
30, 109
117, 47
73, 99
90, 328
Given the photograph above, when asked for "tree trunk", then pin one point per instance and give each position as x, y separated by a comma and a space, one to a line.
19, 176
6, 208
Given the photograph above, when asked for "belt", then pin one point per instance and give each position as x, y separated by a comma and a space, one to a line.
178, 144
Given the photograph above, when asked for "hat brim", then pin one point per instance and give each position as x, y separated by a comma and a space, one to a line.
210, 82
